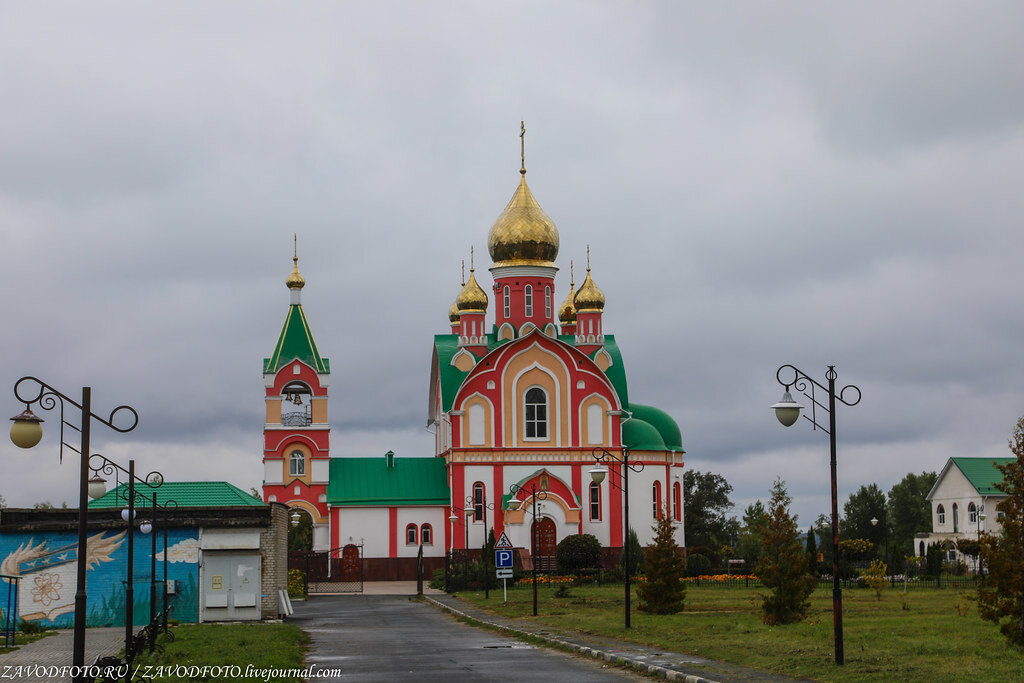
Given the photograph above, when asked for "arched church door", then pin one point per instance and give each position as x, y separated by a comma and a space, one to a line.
547, 539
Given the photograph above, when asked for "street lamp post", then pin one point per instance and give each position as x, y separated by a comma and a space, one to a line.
980, 515
597, 475
27, 431
99, 463
788, 411
535, 495
885, 542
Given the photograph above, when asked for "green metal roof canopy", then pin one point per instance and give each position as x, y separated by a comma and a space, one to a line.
184, 493
388, 481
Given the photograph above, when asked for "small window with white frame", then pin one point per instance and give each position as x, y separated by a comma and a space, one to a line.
940, 512
426, 534
595, 502
410, 534
528, 300
297, 464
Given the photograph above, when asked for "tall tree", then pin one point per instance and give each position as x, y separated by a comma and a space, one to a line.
909, 512
750, 533
812, 552
865, 504
663, 591
783, 564
705, 504
1001, 598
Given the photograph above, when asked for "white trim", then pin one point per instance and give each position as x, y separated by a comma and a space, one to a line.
490, 404
547, 409
501, 272
527, 328
511, 331
514, 385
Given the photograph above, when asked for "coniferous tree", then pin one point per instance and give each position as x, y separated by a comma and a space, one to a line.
812, 552
636, 554
663, 592
783, 563
1001, 598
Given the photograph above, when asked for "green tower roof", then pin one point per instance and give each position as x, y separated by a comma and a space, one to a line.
296, 341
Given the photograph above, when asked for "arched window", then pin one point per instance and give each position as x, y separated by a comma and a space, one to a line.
677, 501
956, 519
297, 464
972, 513
426, 534
528, 299
507, 301
547, 303
595, 502
656, 500
536, 413
941, 513
410, 534
478, 501
920, 549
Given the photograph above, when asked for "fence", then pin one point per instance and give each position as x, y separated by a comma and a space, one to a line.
9, 612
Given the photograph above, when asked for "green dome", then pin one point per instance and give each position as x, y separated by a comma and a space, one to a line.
662, 422
641, 436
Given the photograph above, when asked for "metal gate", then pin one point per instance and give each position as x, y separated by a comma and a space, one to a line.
339, 570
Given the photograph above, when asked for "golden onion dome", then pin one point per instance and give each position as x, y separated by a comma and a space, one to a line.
472, 297
295, 281
589, 297
523, 233
453, 313
567, 311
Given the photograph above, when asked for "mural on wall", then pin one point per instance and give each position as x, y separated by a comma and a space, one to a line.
47, 563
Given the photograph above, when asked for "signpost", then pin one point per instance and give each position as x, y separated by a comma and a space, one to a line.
503, 559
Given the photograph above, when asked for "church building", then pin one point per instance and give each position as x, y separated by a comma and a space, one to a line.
520, 404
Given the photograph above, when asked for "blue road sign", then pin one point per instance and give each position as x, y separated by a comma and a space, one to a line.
503, 559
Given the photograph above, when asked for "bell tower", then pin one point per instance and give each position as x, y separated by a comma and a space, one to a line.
296, 435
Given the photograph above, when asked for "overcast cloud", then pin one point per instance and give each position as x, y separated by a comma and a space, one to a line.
759, 184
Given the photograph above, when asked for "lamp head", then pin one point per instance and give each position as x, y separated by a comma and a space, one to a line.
295, 517
453, 518
97, 486
787, 410
874, 521
598, 474
27, 429
146, 526
124, 514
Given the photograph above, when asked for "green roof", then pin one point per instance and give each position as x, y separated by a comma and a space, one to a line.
982, 473
641, 435
370, 482
658, 420
296, 341
184, 493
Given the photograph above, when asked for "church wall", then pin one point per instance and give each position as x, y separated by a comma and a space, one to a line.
418, 516
370, 524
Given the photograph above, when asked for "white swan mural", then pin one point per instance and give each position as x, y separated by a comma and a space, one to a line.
49, 576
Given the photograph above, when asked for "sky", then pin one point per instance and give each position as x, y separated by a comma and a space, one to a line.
759, 184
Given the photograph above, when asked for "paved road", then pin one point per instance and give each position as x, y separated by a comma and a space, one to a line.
388, 637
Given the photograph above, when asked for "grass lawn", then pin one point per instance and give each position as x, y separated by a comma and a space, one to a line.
940, 637
265, 646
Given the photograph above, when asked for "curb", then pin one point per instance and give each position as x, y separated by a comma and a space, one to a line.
669, 674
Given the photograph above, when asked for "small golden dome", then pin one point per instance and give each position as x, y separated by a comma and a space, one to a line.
589, 297
567, 311
295, 281
472, 297
453, 313
523, 233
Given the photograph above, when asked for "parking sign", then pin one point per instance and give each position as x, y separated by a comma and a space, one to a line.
503, 559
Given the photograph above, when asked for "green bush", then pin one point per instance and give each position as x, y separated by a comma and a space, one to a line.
30, 627
578, 552
697, 564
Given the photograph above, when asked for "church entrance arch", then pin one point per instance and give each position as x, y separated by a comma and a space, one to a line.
547, 540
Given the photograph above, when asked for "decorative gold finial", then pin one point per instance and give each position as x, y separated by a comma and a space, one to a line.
522, 146
588, 258
463, 272
295, 280
471, 258
567, 311
572, 280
